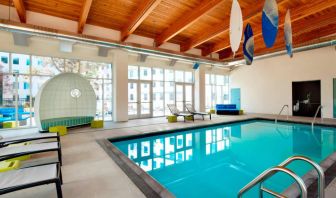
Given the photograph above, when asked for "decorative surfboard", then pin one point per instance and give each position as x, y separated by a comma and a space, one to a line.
270, 22
248, 46
288, 34
236, 26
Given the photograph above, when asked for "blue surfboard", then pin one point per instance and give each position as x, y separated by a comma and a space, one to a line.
288, 34
248, 46
270, 22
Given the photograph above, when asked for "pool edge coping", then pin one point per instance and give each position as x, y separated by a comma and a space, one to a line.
145, 183
152, 188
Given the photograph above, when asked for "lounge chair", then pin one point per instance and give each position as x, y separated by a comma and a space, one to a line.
191, 110
19, 179
173, 109
17, 151
25, 138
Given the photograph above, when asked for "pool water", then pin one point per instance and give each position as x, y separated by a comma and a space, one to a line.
218, 161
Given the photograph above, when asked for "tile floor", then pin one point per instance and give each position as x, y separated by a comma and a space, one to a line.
88, 172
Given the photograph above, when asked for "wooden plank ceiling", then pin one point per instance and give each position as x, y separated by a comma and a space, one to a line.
202, 24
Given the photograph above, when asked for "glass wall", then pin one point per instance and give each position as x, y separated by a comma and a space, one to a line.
22, 76
163, 91
216, 90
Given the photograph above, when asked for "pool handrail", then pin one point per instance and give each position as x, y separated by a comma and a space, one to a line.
283, 107
268, 173
282, 167
318, 109
319, 170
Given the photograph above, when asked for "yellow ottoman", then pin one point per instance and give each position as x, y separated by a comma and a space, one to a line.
97, 124
9, 124
241, 112
212, 111
189, 118
9, 165
21, 158
62, 130
172, 118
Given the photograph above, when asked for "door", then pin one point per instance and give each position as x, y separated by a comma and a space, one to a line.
139, 99
145, 103
133, 100
235, 97
184, 95
179, 93
189, 93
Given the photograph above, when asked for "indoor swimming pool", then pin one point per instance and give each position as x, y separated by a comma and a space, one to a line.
217, 161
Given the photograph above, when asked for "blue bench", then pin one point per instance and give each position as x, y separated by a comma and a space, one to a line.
227, 109
65, 121
8, 113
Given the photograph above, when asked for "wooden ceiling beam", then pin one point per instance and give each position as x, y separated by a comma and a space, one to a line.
84, 15
297, 13
221, 28
144, 9
186, 20
225, 53
21, 10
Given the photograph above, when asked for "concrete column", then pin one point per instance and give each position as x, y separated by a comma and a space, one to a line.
120, 85
200, 88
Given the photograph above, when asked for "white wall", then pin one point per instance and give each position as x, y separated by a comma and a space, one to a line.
120, 86
267, 84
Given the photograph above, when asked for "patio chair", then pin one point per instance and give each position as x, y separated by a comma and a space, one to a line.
26, 138
17, 151
191, 110
173, 109
19, 179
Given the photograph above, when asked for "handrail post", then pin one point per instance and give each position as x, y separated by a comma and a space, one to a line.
318, 109
283, 107
282, 168
266, 174
319, 170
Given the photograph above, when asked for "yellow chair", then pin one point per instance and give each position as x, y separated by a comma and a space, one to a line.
9, 124
97, 124
62, 130
241, 112
172, 118
212, 111
9, 165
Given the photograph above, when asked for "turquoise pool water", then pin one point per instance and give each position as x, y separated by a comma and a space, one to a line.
218, 161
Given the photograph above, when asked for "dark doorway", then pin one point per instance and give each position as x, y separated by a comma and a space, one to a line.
306, 98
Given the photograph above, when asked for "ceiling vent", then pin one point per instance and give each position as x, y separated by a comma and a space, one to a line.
21, 39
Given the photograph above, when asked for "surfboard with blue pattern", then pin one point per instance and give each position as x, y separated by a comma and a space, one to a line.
270, 22
248, 45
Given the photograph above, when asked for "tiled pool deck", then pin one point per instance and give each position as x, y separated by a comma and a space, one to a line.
89, 172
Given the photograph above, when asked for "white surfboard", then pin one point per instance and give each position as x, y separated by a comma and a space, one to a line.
288, 34
236, 26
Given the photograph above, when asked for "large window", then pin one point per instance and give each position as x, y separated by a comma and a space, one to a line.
22, 76
164, 85
216, 90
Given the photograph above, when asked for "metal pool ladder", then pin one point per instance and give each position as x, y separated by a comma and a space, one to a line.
283, 107
318, 109
282, 168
